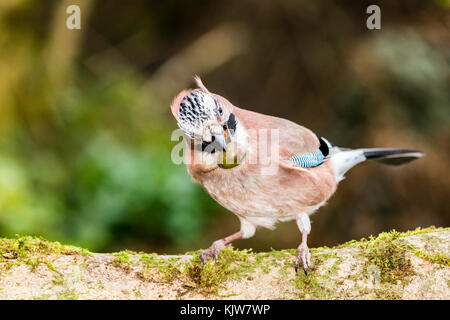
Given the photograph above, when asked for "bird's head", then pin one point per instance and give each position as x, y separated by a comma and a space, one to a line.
203, 119
207, 119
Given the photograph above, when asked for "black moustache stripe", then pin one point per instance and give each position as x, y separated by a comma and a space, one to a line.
231, 123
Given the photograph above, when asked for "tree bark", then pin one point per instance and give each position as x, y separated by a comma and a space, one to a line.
412, 265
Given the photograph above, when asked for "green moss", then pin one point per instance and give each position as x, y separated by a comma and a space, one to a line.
50, 265
310, 287
165, 267
386, 251
418, 230
319, 285
58, 281
122, 260
324, 257
389, 255
231, 264
261, 263
137, 293
280, 253
43, 297
234, 265
99, 285
33, 251
68, 294
434, 258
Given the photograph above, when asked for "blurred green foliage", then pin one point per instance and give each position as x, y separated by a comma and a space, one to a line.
85, 122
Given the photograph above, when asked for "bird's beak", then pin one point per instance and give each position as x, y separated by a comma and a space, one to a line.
220, 139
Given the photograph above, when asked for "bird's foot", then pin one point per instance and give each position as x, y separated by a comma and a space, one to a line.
213, 251
304, 256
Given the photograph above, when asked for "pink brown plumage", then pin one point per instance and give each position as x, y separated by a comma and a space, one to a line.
282, 171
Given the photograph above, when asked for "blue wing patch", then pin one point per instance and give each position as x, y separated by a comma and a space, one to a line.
308, 160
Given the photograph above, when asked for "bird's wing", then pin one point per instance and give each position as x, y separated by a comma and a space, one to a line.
311, 160
308, 160
316, 184
293, 139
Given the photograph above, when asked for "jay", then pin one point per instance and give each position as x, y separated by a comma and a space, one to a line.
223, 151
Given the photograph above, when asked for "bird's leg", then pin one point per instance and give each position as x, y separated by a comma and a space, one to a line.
303, 254
217, 246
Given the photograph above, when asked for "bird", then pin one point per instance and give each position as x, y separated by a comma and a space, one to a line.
262, 168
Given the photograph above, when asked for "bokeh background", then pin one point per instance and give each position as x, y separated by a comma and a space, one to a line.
85, 122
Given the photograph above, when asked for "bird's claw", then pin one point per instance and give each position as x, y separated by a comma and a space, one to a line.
213, 251
304, 256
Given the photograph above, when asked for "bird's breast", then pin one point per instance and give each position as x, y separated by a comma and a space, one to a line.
248, 193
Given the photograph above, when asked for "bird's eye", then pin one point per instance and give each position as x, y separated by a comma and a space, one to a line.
220, 111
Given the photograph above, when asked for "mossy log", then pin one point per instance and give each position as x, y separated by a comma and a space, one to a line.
393, 265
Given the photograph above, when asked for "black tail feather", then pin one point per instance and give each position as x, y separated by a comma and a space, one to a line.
392, 156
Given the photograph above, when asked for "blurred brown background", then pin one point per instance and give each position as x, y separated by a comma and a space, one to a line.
85, 122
